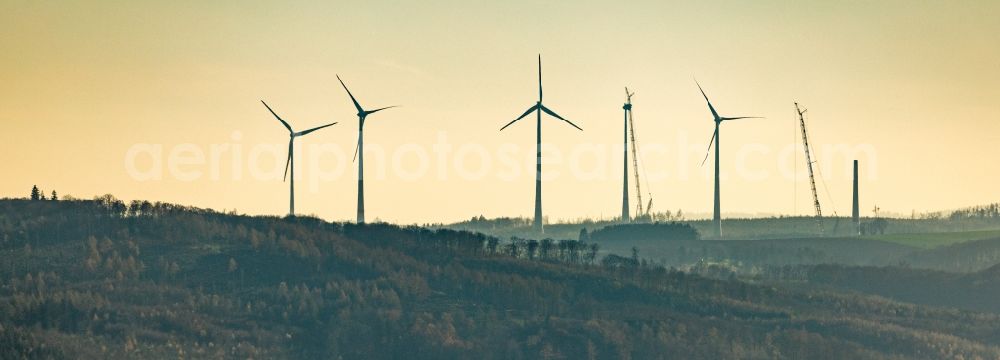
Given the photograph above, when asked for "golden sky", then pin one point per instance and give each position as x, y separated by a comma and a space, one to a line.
913, 86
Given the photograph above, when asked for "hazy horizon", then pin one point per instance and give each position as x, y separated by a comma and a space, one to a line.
910, 89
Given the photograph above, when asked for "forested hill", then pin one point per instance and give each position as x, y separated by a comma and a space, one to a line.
102, 279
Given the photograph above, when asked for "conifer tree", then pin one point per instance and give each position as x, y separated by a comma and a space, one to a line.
35, 194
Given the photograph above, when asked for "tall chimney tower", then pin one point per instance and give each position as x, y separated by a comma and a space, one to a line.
855, 214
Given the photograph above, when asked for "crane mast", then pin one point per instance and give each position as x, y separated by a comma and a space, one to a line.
635, 157
809, 165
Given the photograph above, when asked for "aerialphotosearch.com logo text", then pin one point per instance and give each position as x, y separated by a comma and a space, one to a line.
317, 163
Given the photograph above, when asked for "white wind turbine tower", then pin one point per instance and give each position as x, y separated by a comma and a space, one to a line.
717, 213
290, 163
538, 108
360, 149
628, 111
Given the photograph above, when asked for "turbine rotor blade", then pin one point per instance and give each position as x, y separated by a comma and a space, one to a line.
710, 107
289, 127
741, 117
356, 147
709, 150
539, 78
355, 101
530, 110
314, 129
550, 112
380, 109
289, 161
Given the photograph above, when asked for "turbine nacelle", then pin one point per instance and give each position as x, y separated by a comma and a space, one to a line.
292, 135
715, 115
538, 105
362, 114
718, 121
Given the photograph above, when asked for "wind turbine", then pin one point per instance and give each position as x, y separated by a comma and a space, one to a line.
538, 108
628, 110
290, 163
717, 213
362, 114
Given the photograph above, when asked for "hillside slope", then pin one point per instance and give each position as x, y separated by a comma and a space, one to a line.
973, 291
99, 279
968, 256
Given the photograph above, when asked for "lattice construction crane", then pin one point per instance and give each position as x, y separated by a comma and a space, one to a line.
809, 165
635, 160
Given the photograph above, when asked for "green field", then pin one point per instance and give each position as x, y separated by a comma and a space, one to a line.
922, 233
933, 240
